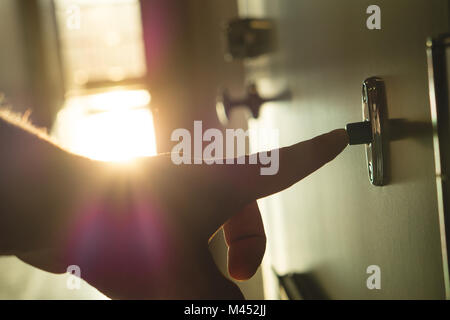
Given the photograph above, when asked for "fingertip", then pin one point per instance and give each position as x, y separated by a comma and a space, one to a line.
330, 145
341, 137
244, 257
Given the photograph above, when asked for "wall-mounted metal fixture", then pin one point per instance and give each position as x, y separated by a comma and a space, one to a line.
370, 130
250, 37
438, 53
253, 101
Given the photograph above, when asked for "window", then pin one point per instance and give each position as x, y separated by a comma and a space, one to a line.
106, 115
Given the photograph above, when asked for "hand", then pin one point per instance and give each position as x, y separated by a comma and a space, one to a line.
145, 235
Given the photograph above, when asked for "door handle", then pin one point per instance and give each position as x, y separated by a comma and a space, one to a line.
359, 133
370, 130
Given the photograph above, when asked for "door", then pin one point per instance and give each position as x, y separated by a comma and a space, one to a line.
334, 228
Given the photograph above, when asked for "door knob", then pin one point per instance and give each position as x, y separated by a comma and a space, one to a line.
370, 130
253, 101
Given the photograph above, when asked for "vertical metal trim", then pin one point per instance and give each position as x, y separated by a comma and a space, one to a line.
373, 106
439, 103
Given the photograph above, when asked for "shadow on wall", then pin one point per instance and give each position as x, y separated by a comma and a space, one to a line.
301, 286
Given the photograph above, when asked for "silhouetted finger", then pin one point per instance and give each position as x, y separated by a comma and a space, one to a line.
246, 241
217, 191
294, 163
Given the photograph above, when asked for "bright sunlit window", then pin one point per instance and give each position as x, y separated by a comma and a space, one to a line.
101, 40
104, 117
108, 126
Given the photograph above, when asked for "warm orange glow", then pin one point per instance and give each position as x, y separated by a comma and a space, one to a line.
111, 126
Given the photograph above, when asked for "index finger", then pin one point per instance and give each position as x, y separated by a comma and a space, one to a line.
231, 187
295, 163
